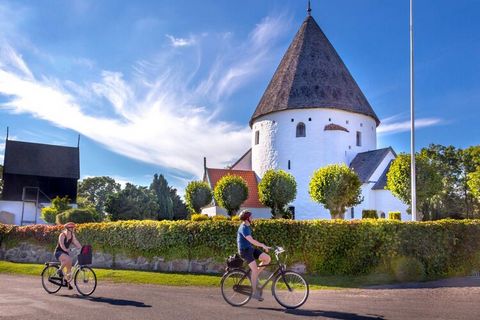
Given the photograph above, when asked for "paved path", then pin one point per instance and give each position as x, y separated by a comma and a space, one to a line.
23, 297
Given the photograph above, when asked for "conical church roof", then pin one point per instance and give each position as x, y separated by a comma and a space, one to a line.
312, 75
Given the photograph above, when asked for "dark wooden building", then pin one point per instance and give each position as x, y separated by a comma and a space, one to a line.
41, 171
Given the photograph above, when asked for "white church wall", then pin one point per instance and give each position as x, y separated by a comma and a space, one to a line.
278, 144
245, 163
259, 213
15, 207
385, 202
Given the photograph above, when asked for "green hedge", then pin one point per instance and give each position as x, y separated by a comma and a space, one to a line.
394, 215
442, 247
369, 214
77, 216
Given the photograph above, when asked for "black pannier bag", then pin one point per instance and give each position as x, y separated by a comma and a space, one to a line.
85, 256
234, 261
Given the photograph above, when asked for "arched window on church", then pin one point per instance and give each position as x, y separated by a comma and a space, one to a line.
301, 131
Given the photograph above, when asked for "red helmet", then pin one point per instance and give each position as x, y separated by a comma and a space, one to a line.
244, 215
69, 225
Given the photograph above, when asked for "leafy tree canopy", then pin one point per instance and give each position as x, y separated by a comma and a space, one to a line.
94, 191
336, 187
197, 195
230, 192
276, 190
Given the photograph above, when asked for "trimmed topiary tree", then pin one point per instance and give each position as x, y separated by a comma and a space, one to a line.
276, 190
369, 214
199, 217
336, 187
429, 182
394, 215
230, 192
197, 195
77, 216
59, 205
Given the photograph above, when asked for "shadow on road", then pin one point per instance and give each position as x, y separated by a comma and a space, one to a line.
463, 282
327, 314
112, 301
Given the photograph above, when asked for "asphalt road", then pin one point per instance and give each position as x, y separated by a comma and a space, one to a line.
22, 297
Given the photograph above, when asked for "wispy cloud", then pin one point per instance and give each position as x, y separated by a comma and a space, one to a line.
392, 125
180, 42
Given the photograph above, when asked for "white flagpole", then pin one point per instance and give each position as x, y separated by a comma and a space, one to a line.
412, 124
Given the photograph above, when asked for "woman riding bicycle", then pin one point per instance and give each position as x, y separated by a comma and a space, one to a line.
246, 250
65, 239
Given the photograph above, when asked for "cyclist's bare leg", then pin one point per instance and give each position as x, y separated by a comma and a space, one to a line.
254, 275
264, 260
66, 262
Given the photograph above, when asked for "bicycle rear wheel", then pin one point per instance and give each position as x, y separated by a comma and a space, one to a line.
51, 281
290, 290
85, 281
236, 287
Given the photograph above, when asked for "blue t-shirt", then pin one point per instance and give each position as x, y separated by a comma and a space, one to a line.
243, 232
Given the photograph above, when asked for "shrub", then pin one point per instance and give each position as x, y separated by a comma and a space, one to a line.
336, 187
219, 218
77, 216
369, 214
197, 195
408, 269
230, 192
49, 214
276, 190
235, 218
199, 217
394, 215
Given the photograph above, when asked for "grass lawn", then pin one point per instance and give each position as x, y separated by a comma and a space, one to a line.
183, 279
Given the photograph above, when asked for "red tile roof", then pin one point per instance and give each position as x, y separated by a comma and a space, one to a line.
214, 175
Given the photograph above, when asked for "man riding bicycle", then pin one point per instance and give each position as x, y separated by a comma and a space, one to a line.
245, 243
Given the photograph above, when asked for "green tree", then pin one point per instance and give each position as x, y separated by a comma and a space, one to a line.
336, 187
276, 190
197, 195
59, 205
474, 183
180, 210
230, 192
161, 190
132, 203
95, 191
428, 181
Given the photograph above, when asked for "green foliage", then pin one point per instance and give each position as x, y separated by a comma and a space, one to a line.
335, 247
219, 218
95, 191
160, 189
59, 205
429, 182
132, 203
369, 214
180, 210
408, 269
197, 195
230, 192
474, 183
336, 187
394, 215
276, 190
235, 218
199, 217
77, 216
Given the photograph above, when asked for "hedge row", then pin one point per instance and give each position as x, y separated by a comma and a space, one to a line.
443, 247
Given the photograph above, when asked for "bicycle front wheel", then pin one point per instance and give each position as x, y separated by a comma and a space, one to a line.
85, 281
290, 289
236, 287
51, 281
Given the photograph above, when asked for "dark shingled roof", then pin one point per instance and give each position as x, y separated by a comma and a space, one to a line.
312, 75
382, 181
365, 163
44, 160
333, 127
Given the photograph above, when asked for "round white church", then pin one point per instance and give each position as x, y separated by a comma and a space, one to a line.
313, 114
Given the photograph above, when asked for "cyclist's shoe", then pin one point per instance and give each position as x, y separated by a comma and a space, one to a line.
257, 296
60, 273
69, 286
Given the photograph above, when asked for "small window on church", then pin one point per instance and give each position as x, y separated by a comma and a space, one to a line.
289, 166
382, 215
352, 213
257, 137
301, 131
359, 139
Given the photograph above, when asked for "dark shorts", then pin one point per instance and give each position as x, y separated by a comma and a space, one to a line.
250, 254
58, 254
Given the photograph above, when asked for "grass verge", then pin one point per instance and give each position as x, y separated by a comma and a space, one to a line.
199, 280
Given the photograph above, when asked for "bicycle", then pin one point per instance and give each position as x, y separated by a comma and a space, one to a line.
289, 288
84, 277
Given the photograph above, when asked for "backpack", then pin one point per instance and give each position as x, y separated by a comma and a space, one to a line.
85, 256
234, 261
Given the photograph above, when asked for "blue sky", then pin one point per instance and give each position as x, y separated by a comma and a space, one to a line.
153, 86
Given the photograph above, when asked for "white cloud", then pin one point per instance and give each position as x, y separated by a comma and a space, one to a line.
390, 126
180, 42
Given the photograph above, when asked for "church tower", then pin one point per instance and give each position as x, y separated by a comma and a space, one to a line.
312, 114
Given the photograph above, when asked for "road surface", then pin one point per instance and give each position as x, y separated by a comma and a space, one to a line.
22, 297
